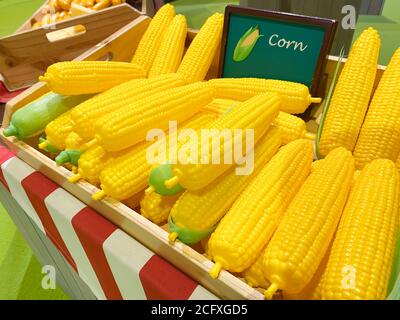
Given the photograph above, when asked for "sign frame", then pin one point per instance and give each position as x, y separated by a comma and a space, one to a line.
328, 25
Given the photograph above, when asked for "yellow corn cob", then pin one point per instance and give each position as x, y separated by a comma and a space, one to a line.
254, 275
249, 224
379, 135
86, 114
200, 211
93, 161
74, 142
292, 127
220, 106
156, 207
130, 124
312, 291
255, 114
295, 96
170, 53
352, 94
308, 225
151, 40
82, 77
128, 174
57, 131
202, 50
360, 263
398, 163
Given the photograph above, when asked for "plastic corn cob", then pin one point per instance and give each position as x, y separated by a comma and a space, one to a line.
134, 201
255, 114
295, 96
57, 131
379, 135
303, 236
196, 213
292, 127
86, 114
366, 238
352, 94
220, 106
130, 124
128, 174
92, 162
74, 142
156, 207
82, 77
202, 50
254, 275
151, 40
247, 227
170, 53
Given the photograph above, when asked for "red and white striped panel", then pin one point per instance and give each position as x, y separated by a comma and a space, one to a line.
110, 262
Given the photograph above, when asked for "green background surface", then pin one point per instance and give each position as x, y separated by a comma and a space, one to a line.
20, 272
276, 62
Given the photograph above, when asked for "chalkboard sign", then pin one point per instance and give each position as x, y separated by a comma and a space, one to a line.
273, 45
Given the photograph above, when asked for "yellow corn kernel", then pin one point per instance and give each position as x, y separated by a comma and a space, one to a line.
203, 49
128, 174
149, 44
303, 236
201, 210
249, 224
102, 4
74, 142
292, 127
156, 207
366, 238
58, 129
170, 53
255, 114
82, 77
379, 135
352, 94
127, 94
295, 96
130, 124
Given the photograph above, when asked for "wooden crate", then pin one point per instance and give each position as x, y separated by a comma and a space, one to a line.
122, 46
27, 53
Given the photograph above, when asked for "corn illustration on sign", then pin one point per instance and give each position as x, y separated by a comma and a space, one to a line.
267, 44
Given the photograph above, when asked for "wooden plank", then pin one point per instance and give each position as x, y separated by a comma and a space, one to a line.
25, 55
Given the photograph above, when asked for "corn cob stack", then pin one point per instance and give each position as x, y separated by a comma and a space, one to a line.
202, 50
57, 131
366, 237
295, 96
156, 207
84, 77
249, 224
150, 43
86, 114
352, 94
129, 125
379, 135
255, 114
170, 53
128, 174
196, 213
302, 238
292, 127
